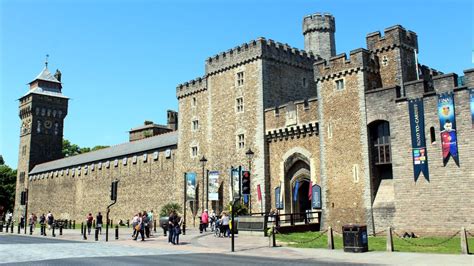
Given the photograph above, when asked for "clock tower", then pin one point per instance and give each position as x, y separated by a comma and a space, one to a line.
42, 112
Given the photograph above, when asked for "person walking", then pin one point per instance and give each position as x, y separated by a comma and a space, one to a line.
171, 225
89, 220
150, 217
42, 222
99, 222
140, 227
50, 220
177, 229
225, 224
31, 222
205, 220
134, 225
146, 224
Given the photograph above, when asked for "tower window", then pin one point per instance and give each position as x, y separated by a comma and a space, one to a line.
380, 138
194, 102
240, 141
432, 135
240, 78
306, 104
194, 151
340, 84
195, 125
239, 104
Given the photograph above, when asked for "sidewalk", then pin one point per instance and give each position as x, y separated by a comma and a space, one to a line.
194, 242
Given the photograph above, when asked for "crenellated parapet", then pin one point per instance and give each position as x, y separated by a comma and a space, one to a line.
319, 22
191, 87
340, 65
395, 36
260, 48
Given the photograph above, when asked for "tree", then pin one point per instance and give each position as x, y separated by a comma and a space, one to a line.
7, 187
2, 162
70, 149
166, 209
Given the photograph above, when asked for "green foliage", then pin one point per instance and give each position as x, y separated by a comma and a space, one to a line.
166, 209
240, 209
7, 187
2, 162
378, 243
70, 149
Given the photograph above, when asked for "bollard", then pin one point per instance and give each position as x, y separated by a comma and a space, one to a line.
54, 234
70, 224
116, 232
154, 226
464, 243
389, 239
82, 228
330, 238
274, 236
6, 228
128, 223
74, 224
1, 227
84, 235
96, 234
31, 229
19, 229
60, 229
11, 228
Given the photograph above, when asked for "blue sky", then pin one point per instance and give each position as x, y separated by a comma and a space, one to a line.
121, 60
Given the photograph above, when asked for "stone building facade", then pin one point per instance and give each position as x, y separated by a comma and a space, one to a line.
311, 117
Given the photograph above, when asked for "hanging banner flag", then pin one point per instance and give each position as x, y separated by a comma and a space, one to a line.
316, 198
295, 193
259, 193
447, 121
471, 96
235, 181
190, 186
213, 185
310, 191
418, 141
278, 202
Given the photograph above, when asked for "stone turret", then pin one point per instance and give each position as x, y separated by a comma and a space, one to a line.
318, 31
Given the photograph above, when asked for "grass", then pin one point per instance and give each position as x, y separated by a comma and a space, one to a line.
307, 240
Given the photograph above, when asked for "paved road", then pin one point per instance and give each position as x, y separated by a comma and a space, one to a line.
187, 259
20, 239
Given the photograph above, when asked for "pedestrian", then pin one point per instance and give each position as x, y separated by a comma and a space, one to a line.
32, 221
98, 222
89, 220
140, 227
171, 225
22, 221
225, 224
42, 222
212, 220
50, 220
204, 220
9, 217
152, 225
146, 224
177, 229
134, 224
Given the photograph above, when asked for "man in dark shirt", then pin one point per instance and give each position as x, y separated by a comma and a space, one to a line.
99, 222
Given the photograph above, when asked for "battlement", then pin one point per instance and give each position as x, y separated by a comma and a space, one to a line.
191, 87
394, 36
260, 48
337, 65
319, 22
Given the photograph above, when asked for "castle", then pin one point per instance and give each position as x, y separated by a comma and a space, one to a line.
342, 122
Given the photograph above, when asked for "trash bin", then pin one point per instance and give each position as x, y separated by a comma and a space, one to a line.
354, 238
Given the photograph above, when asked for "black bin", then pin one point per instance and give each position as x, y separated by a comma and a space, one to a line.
354, 237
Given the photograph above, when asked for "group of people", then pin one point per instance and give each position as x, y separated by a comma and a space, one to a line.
98, 222
217, 223
174, 228
141, 224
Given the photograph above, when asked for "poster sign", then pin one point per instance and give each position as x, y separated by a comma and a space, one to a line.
316, 197
213, 186
471, 96
191, 186
447, 121
295, 193
278, 201
418, 141
235, 181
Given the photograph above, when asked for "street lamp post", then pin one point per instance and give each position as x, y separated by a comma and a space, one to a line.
250, 155
203, 163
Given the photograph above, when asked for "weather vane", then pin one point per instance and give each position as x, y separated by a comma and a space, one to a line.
46, 62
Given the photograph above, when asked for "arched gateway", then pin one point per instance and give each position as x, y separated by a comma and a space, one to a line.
297, 183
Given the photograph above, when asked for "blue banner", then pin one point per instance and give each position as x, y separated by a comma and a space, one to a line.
278, 201
316, 197
471, 96
418, 141
447, 121
295, 193
191, 186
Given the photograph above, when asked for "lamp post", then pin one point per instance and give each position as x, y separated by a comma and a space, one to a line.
250, 155
203, 161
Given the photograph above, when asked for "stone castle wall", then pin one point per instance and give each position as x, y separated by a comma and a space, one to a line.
143, 185
443, 205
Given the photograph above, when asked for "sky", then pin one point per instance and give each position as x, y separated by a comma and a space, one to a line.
122, 60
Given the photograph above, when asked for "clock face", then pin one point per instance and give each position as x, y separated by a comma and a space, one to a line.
48, 124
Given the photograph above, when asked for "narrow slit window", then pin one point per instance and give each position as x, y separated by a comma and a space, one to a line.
432, 135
